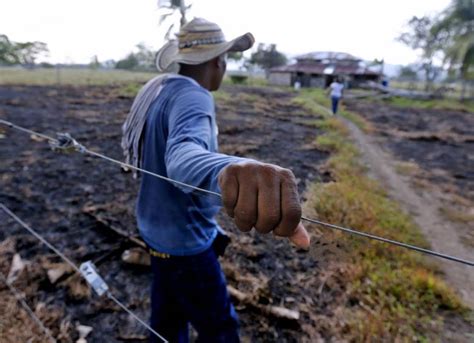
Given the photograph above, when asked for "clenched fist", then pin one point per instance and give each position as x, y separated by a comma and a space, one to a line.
264, 197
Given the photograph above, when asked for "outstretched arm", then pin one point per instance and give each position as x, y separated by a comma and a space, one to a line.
257, 195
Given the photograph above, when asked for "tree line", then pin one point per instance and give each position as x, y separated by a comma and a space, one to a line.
447, 37
266, 56
24, 53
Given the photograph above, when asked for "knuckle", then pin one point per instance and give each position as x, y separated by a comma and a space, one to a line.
267, 174
268, 168
232, 169
287, 174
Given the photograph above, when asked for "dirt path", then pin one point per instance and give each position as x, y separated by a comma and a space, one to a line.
424, 208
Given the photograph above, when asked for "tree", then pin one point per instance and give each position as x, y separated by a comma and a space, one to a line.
143, 59
7, 51
407, 73
94, 63
28, 52
235, 55
421, 36
456, 25
171, 6
130, 62
267, 56
24, 53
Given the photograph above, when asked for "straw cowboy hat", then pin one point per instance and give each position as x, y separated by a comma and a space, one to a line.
197, 42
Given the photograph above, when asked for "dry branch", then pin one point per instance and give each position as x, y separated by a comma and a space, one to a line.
100, 219
275, 311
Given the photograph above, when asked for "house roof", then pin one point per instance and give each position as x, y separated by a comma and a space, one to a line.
324, 69
327, 63
327, 55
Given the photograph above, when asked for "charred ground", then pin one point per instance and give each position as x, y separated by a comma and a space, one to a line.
75, 201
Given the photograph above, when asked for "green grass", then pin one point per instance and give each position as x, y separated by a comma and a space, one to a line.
249, 81
130, 90
394, 292
221, 96
317, 101
41, 76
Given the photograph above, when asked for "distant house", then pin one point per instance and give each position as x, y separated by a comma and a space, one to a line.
318, 69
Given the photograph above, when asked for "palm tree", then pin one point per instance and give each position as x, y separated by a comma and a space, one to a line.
456, 26
172, 6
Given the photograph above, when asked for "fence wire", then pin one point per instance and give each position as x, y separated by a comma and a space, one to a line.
76, 268
66, 142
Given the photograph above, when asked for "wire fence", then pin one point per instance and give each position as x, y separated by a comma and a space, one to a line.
77, 269
66, 142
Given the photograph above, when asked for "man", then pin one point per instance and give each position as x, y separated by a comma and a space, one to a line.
335, 89
171, 130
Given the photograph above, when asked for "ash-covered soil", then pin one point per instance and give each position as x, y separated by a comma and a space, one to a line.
441, 142
85, 207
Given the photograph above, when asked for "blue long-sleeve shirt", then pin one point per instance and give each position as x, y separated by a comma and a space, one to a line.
180, 141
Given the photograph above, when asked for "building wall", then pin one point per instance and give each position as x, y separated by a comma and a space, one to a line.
317, 81
280, 79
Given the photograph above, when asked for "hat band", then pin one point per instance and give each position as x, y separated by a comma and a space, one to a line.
205, 41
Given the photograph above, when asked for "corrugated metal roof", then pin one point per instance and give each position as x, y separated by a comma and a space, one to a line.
328, 63
327, 55
324, 69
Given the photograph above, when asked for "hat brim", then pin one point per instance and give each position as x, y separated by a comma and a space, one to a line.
169, 54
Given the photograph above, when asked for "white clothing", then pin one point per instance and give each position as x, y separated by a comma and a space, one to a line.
336, 89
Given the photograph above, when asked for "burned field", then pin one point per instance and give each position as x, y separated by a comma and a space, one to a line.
434, 149
440, 142
85, 207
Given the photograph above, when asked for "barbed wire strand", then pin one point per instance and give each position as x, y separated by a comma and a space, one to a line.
73, 265
27, 308
81, 148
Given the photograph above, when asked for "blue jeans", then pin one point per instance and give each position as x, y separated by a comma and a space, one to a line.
191, 289
335, 102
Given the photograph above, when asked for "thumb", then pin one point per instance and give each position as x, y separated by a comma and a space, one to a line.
300, 237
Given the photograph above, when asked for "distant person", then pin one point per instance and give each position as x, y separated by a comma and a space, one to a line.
335, 89
171, 130
297, 85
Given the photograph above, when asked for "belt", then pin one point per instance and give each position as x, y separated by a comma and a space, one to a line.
158, 254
